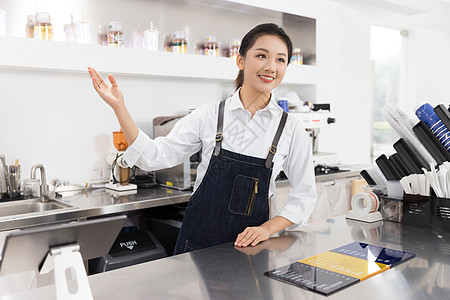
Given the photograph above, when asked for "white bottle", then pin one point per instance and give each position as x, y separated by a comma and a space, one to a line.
2, 21
151, 37
83, 30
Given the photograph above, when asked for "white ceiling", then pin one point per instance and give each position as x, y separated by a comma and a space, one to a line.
431, 14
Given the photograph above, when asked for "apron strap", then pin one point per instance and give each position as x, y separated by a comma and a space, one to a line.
219, 135
273, 148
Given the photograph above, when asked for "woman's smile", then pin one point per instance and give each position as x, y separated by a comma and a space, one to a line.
266, 78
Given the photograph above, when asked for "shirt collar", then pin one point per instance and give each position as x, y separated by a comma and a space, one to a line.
272, 107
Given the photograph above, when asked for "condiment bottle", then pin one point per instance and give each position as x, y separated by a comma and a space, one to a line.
115, 35
30, 26
234, 49
102, 35
211, 48
151, 37
297, 57
179, 44
43, 28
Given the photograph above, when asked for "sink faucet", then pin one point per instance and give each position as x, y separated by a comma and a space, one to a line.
45, 194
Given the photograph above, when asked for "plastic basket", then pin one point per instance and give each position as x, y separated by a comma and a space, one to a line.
429, 212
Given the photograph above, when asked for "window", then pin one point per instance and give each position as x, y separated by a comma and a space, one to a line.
386, 56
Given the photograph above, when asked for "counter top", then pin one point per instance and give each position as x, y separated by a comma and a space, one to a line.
225, 272
102, 202
99, 202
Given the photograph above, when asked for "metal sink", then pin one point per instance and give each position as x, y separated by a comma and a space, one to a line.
29, 206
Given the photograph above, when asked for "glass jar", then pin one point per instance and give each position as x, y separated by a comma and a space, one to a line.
43, 28
234, 49
31, 19
211, 48
297, 57
179, 43
115, 35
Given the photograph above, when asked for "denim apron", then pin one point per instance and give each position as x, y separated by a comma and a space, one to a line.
232, 196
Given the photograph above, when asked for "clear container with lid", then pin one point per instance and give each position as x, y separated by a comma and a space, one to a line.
83, 30
234, 49
297, 57
179, 43
115, 35
211, 47
43, 28
151, 38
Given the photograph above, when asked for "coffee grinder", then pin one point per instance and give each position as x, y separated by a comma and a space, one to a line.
116, 159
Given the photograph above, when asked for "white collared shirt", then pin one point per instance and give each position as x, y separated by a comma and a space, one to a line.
241, 134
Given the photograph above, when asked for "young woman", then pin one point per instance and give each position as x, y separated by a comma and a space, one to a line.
245, 140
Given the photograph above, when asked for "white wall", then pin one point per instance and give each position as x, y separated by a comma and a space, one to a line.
58, 120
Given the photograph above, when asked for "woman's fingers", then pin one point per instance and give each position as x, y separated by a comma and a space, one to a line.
246, 237
113, 81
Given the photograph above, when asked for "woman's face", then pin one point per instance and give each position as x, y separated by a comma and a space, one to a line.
264, 63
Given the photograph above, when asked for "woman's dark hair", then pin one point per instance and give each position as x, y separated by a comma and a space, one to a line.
250, 38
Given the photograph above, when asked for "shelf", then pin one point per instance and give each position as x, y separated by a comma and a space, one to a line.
52, 56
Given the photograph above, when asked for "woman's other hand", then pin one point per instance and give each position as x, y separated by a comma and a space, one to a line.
110, 94
252, 236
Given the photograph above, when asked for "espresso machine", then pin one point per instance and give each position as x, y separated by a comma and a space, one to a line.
182, 176
319, 117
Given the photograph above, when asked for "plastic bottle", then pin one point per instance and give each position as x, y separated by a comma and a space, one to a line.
179, 44
102, 37
115, 35
31, 19
83, 30
425, 112
69, 31
43, 28
234, 49
151, 38
211, 47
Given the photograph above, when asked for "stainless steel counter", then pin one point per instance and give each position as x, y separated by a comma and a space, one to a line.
93, 203
224, 272
104, 202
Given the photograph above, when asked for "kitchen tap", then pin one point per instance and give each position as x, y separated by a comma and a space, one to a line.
45, 194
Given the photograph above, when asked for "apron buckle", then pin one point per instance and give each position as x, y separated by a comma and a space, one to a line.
273, 149
219, 137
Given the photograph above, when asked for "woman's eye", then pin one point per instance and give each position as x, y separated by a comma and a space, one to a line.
261, 55
281, 60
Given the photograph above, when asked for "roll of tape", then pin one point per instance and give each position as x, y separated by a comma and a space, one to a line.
365, 203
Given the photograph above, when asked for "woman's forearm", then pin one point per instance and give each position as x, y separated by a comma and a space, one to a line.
127, 124
276, 224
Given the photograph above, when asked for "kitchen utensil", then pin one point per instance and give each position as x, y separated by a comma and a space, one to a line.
31, 188
5, 173
13, 175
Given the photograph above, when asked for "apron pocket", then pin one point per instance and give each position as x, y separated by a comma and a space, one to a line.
243, 195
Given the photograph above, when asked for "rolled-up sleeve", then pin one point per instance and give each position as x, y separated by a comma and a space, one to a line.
299, 169
165, 152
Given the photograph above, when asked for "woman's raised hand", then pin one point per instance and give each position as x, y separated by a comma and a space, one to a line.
110, 94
